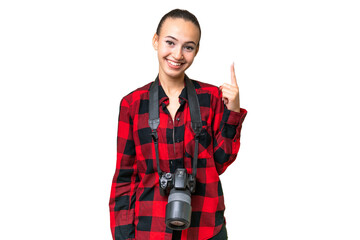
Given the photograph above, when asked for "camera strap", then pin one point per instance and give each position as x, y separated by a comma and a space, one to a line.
195, 115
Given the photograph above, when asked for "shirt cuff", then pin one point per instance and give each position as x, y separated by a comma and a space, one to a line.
234, 118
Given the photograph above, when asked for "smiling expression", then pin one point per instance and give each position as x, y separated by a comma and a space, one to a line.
177, 46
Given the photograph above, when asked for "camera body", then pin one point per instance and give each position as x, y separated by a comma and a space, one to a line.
179, 187
179, 180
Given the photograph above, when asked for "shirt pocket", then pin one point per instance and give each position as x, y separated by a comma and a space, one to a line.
205, 149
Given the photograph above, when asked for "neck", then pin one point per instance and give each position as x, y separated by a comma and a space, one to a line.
172, 86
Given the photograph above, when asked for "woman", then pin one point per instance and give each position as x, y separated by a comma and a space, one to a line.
137, 208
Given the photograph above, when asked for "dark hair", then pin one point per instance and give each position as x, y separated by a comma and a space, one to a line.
179, 13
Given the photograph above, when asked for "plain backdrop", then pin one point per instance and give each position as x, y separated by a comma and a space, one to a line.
65, 65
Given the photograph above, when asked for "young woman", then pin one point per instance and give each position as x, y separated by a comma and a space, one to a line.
137, 209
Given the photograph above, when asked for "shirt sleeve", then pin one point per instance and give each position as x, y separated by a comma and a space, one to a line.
125, 181
226, 127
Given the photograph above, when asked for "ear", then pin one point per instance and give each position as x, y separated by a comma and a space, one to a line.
155, 41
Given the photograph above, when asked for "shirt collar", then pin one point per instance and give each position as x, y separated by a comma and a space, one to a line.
163, 97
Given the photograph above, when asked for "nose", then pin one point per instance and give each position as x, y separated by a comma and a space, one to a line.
177, 53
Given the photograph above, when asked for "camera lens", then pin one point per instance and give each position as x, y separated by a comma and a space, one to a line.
178, 209
177, 223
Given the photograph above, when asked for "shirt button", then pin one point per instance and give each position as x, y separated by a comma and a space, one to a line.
178, 119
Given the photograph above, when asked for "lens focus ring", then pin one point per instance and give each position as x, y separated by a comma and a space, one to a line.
180, 195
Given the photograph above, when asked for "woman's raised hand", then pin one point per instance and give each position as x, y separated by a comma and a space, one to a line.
230, 92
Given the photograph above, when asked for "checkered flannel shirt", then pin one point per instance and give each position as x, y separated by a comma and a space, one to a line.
137, 210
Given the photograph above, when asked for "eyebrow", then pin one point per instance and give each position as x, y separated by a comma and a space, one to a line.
185, 42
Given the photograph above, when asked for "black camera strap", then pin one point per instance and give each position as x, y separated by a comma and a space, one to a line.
195, 115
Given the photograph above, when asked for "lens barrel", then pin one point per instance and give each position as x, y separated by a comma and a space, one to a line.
178, 209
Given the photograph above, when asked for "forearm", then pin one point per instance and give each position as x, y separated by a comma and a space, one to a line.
125, 181
227, 138
122, 215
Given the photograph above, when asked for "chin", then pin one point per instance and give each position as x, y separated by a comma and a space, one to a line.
174, 73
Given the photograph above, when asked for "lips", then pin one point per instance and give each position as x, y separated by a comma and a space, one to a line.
174, 64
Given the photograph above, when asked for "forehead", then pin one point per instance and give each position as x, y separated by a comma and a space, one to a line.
180, 29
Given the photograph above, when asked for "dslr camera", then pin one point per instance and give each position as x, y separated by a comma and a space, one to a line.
178, 186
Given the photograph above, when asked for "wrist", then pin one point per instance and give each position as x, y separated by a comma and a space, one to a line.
234, 109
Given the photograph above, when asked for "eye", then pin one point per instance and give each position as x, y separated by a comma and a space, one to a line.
170, 43
189, 48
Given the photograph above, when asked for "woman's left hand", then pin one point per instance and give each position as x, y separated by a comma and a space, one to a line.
230, 93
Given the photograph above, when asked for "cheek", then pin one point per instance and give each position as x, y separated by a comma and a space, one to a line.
189, 57
163, 51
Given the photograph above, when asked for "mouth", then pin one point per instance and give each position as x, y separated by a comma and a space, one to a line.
174, 64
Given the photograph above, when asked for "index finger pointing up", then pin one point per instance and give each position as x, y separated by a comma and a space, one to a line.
233, 77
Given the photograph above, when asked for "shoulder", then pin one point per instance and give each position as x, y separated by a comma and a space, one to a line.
137, 94
206, 88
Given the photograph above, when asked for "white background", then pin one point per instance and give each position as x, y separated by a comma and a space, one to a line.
65, 65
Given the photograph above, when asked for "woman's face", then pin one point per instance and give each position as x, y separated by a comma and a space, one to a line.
177, 46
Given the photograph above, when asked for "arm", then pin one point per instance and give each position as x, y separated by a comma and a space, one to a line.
125, 181
227, 123
226, 128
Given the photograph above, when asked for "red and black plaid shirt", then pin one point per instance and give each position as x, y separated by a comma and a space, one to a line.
137, 210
